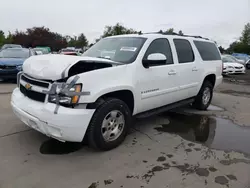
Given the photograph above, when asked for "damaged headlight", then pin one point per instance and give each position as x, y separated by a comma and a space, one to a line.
66, 99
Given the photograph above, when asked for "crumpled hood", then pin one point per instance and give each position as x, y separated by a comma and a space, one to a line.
55, 66
11, 61
233, 64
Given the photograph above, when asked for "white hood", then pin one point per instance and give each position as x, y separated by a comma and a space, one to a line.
233, 64
53, 66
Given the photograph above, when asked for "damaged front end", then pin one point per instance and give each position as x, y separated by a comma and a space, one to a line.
60, 93
38, 82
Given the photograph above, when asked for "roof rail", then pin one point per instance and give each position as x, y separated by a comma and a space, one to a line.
194, 36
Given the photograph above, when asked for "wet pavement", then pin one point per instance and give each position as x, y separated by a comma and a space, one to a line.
215, 133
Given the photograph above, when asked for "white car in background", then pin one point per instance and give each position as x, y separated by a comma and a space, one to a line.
237, 60
232, 67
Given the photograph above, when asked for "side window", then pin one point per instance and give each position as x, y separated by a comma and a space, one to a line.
160, 46
208, 51
184, 51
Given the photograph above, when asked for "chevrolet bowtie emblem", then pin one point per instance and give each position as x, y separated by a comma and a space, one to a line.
28, 86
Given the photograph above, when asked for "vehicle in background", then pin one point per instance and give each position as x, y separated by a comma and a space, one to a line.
248, 64
241, 57
71, 53
79, 50
66, 50
11, 61
38, 52
69, 97
5, 46
43, 50
230, 66
235, 59
45, 47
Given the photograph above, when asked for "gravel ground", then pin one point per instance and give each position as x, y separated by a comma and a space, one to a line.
183, 148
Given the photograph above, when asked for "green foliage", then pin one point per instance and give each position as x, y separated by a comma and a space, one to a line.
245, 38
2, 38
243, 45
117, 29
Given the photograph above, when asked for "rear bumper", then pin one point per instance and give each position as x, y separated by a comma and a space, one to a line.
68, 125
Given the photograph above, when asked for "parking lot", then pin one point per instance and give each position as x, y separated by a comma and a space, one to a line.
181, 148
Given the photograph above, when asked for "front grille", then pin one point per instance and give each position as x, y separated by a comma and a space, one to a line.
7, 67
33, 94
35, 82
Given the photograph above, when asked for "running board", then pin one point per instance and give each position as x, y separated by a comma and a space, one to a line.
164, 108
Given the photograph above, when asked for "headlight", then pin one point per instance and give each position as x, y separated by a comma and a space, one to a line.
19, 67
67, 100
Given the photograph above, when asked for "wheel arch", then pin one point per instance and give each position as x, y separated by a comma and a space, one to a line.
124, 94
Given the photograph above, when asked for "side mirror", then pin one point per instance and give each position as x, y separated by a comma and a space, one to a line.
154, 60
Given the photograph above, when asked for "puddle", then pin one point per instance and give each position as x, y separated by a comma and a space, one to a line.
215, 133
55, 147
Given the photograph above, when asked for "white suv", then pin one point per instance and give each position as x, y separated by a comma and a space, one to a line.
95, 96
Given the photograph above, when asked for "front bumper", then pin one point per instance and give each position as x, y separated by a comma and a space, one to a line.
8, 74
67, 125
234, 71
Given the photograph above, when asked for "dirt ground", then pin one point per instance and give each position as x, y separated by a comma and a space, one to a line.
181, 148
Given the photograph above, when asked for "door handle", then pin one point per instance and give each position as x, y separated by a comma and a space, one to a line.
194, 69
172, 72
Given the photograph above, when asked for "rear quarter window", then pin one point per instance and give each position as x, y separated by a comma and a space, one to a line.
208, 51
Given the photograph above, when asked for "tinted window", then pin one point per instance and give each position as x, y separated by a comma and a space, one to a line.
208, 51
184, 51
119, 49
160, 46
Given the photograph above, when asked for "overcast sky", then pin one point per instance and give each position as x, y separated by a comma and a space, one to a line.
220, 20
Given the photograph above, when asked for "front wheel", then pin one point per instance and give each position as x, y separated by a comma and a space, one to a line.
109, 124
204, 97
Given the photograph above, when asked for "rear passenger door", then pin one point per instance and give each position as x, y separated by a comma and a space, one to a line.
188, 68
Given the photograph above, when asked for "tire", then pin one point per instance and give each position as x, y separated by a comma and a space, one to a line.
103, 116
200, 103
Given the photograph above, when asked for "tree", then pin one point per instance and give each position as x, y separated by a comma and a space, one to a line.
243, 45
117, 29
2, 38
222, 50
245, 37
9, 39
169, 31
81, 41
39, 36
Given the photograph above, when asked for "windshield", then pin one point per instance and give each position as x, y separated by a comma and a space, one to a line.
14, 53
119, 49
228, 60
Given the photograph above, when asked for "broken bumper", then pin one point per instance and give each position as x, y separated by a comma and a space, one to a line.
68, 125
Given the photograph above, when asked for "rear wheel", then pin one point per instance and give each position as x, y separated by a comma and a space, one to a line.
204, 97
109, 124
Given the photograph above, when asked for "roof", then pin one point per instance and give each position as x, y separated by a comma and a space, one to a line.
161, 35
